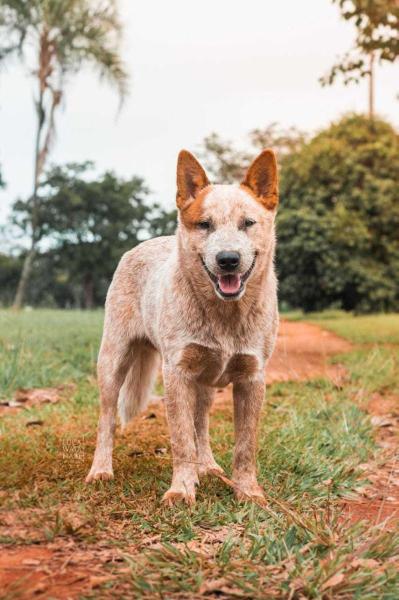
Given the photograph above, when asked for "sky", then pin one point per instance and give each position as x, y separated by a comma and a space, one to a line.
196, 67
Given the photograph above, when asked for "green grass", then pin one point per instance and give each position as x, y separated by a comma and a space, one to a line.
313, 437
362, 329
47, 347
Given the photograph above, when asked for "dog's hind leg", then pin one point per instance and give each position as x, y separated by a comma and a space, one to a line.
113, 363
136, 389
203, 403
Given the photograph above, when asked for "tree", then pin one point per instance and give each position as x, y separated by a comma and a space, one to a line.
10, 268
63, 37
337, 225
377, 38
339, 219
223, 162
227, 164
85, 226
162, 222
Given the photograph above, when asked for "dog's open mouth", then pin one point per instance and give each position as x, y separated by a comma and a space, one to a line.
229, 285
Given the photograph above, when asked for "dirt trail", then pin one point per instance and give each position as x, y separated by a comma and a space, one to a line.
58, 570
378, 502
302, 352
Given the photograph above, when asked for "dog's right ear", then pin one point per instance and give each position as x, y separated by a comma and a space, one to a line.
191, 179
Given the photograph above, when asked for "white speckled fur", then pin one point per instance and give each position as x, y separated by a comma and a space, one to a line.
163, 304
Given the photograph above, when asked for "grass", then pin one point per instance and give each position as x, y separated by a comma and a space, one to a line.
313, 437
47, 347
360, 329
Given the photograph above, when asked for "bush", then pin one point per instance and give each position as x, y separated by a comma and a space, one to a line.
339, 219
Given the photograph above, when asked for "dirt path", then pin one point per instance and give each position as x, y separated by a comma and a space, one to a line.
302, 352
59, 570
378, 501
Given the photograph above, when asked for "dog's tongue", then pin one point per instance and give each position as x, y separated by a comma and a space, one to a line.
229, 284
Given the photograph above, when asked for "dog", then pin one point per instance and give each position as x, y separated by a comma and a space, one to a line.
204, 302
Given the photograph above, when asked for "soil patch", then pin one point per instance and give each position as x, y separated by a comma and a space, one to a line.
59, 570
302, 352
378, 502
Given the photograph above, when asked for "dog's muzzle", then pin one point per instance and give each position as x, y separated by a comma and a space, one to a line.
229, 285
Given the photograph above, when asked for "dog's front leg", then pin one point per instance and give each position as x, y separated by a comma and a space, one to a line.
248, 398
206, 462
180, 399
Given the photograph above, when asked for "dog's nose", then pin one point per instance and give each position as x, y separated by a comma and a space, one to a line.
228, 261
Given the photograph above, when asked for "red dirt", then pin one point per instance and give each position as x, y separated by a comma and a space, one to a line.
378, 502
302, 352
58, 571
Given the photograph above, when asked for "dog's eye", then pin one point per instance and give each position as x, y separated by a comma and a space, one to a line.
205, 225
249, 222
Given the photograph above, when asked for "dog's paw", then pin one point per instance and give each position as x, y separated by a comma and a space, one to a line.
100, 475
249, 492
172, 497
211, 468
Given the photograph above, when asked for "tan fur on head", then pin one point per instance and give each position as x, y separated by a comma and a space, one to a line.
262, 179
193, 211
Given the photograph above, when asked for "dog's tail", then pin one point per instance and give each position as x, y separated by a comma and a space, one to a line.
136, 389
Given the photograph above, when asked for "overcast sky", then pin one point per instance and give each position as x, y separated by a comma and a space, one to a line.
226, 65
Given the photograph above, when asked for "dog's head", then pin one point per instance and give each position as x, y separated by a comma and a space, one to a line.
227, 231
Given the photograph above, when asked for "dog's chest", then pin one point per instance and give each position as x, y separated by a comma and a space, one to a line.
217, 368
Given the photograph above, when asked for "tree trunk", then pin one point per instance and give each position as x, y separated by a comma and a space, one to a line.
88, 291
371, 86
28, 262
24, 278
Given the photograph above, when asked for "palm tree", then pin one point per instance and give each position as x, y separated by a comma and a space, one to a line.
62, 36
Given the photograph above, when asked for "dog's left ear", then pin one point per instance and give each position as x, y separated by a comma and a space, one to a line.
191, 178
262, 179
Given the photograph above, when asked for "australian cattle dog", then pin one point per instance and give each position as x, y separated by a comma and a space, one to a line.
204, 304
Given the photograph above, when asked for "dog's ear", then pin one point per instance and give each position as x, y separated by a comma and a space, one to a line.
191, 178
262, 179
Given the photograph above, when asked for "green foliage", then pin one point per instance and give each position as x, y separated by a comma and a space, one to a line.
85, 225
66, 36
61, 38
10, 268
363, 329
339, 215
377, 33
339, 220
